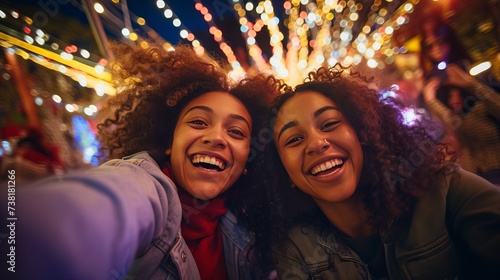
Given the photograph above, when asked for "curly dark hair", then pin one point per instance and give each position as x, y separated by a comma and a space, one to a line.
257, 94
390, 187
152, 85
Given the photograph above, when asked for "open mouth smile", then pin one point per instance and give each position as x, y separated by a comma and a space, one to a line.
329, 166
209, 163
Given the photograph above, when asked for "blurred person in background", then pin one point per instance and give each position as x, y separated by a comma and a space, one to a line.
33, 158
467, 107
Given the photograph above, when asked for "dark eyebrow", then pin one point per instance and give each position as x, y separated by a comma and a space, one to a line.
241, 118
322, 110
316, 114
204, 108
287, 126
210, 110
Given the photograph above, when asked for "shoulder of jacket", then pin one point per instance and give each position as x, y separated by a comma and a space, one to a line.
306, 235
235, 231
136, 159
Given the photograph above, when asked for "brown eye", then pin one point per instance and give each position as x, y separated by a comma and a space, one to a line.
329, 125
293, 140
198, 123
237, 133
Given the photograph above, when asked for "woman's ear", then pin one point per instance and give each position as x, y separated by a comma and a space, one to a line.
169, 142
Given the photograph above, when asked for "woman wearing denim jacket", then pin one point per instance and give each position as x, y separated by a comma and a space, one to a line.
354, 193
166, 205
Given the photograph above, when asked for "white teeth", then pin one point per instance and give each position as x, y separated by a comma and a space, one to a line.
326, 165
209, 160
323, 167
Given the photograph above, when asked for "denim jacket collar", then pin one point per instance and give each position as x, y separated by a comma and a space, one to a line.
330, 239
240, 238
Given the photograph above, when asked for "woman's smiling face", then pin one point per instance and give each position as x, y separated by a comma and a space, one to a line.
437, 48
211, 144
318, 147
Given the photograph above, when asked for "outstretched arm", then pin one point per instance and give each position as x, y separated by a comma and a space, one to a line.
89, 225
435, 106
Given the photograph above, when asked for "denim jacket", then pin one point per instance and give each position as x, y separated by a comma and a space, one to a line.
168, 256
241, 264
118, 221
454, 232
237, 242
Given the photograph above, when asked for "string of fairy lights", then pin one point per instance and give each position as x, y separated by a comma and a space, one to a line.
34, 44
332, 23
184, 32
218, 36
249, 32
320, 33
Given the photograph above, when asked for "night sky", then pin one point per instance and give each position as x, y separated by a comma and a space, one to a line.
61, 12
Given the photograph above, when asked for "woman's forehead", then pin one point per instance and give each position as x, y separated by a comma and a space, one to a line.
220, 103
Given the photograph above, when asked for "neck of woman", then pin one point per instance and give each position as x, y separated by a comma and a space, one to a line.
349, 217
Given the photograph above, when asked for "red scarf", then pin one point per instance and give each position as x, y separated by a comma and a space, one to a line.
201, 231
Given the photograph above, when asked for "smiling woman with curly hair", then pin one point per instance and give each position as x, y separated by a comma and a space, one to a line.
355, 193
151, 82
169, 204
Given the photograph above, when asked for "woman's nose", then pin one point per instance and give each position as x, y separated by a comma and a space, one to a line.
215, 137
318, 145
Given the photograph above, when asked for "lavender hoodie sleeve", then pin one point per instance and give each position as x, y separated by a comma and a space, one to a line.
92, 224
